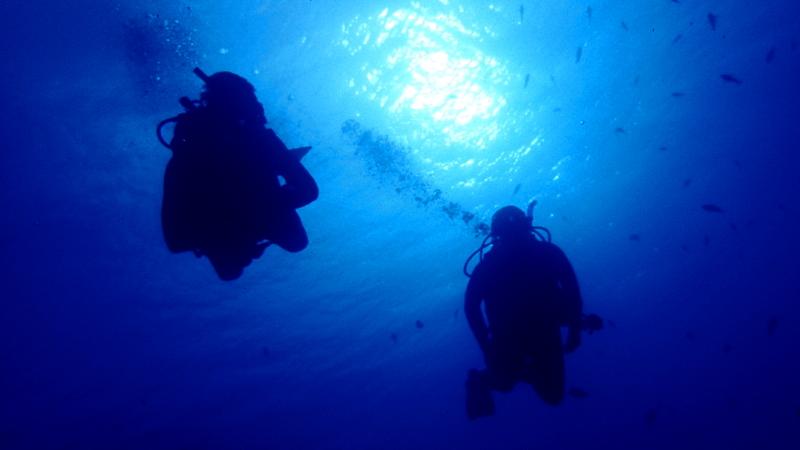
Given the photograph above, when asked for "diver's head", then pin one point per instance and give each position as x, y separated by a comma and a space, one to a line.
234, 96
509, 223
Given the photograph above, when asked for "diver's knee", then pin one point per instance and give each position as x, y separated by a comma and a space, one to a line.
295, 245
553, 399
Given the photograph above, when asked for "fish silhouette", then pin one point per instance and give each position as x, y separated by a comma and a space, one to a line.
712, 21
577, 392
770, 55
772, 326
650, 416
728, 78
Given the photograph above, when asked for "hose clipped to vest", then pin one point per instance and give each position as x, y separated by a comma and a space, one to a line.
188, 105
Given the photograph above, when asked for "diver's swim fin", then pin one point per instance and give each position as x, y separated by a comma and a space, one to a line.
479, 396
300, 152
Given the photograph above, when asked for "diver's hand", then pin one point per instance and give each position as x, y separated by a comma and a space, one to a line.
573, 340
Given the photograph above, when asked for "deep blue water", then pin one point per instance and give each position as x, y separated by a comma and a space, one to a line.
613, 115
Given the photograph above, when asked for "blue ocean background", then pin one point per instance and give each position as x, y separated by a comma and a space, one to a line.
425, 117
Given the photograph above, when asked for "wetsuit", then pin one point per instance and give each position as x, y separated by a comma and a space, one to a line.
530, 291
223, 195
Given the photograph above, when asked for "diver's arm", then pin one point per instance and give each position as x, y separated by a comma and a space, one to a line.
170, 213
472, 309
572, 299
300, 188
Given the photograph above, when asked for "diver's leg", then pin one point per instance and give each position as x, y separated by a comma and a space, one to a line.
479, 395
287, 232
546, 371
177, 213
226, 269
229, 258
504, 365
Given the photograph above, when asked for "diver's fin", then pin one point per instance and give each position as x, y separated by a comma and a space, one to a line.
300, 152
258, 250
479, 396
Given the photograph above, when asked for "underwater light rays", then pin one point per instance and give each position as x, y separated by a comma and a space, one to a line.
425, 69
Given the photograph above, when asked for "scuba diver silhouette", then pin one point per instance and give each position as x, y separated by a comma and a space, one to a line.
529, 291
231, 187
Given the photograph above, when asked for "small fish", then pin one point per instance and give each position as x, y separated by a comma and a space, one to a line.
636, 80
578, 54
517, 188
663, 148
793, 45
772, 325
611, 323
577, 392
710, 207
678, 94
734, 227
677, 39
797, 412
635, 237
770, 55
690, 336
521, 13
676, 1
624, 25
393, 337
726, 348
419, 324
552, 79
707, 240
687, 182
619, 130
712, 21
685, 248
728, 78
589, 12
650, 416
527, 80
265, 351
556, 109
455, 314
591, 323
